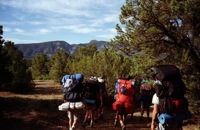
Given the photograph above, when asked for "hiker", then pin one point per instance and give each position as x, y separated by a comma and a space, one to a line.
124, 99
72, 90
170, 106
92, 100
145, 98
103, 95
155, 102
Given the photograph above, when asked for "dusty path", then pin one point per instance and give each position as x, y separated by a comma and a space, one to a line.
37, 110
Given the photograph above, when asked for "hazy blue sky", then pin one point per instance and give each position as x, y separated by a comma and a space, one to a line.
74, 21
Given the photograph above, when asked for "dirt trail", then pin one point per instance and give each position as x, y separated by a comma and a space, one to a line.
38, 110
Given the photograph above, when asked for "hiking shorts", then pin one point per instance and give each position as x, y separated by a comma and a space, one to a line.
92, 104
145, 104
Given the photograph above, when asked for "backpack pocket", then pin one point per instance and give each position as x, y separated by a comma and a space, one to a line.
72, 97
172, 106
118, 106
90, 95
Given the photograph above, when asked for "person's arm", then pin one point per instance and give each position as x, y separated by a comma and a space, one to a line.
154, 116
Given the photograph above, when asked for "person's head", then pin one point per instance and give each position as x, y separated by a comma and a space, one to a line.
144, 81
100, 79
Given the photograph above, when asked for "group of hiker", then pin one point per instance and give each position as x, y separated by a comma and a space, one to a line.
170, 107
83, 93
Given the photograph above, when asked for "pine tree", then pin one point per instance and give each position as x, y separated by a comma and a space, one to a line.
164, 29
58, 65
21, 75
40, 67
162, 32
5, 74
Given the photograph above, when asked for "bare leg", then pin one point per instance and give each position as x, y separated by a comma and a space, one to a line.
75, 120
86, 118
116, 118
121, 120
92, 115
148, 113
70, 118
142, 110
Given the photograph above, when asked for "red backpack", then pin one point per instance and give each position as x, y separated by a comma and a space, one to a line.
145, 90
125, 97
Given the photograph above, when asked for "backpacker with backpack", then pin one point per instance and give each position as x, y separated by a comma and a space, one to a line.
145, 91
72, 91
170, 90
91, 90
124, 98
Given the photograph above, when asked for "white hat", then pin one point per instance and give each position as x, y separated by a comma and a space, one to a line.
100, 79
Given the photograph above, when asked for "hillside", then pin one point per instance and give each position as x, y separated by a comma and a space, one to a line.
51, 47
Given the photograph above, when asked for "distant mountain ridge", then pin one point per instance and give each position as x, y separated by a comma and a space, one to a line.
51, 47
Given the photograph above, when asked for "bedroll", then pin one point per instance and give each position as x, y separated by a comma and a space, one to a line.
78, 77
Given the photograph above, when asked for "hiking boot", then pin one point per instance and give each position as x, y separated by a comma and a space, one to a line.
115, 122
72, 128
123, 127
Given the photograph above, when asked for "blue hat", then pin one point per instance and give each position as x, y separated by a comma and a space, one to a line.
144, 81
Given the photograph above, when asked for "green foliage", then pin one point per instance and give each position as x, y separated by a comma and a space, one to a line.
21, 75
161, 32
14, 73
57, 65
151, 33
39, 67
5, 74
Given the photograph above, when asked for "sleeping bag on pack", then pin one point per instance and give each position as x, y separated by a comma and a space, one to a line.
78, 77
70, 105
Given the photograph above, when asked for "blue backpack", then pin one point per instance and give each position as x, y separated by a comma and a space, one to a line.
72, 87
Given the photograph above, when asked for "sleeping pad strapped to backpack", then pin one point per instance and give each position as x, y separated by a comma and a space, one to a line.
72, 87
170, 90
124, 99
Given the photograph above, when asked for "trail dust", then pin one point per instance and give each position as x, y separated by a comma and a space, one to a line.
38, 110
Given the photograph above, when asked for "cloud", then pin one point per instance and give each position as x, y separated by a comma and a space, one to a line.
58, 17
43, 31
87, 8
80, 29
6, 29
36, 22
106, 36
18, 30
19, 40
110, 33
